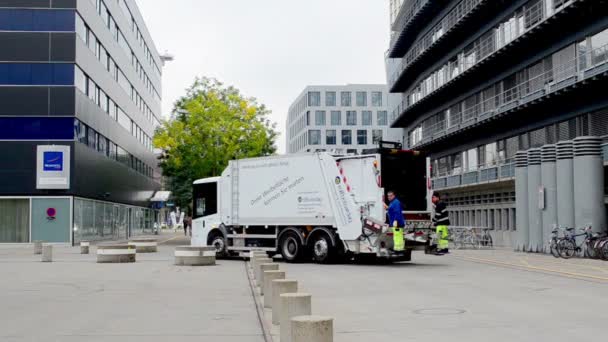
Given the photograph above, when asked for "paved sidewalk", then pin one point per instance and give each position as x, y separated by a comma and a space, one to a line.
76, 299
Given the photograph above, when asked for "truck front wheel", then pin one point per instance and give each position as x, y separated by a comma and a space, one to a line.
219, 242
291, 247
323, 250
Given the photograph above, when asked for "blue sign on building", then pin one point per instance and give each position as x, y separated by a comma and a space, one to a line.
52, 161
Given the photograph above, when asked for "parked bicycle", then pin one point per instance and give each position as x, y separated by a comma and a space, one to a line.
567, 246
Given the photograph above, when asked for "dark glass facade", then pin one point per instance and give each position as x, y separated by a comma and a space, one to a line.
83, 74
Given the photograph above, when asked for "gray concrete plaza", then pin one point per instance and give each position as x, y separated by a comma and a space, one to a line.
76, 299
466, 296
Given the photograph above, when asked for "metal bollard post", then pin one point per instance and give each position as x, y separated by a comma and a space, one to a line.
292, 305
279, 287
312, 328
38, 247
47, 253
84, 247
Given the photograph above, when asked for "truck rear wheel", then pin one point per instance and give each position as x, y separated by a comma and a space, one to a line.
323, 250
291, 247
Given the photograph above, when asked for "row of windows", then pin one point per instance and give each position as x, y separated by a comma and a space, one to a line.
88, 37
119, 37
102, 10
589, 52
521, 21
36, 20
138, 35
314, 98
88, 136
336, 119
99, 97
59, 74
504, 150
315, 136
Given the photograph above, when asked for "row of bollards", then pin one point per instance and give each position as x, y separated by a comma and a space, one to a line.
291, 310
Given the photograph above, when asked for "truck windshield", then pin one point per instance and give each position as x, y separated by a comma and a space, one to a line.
205, 199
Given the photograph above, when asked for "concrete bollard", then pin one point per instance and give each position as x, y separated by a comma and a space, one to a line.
117, 254
254, 253
194, 256
263, 268
47, 253
256, 268
84, 247
269, 276
37, 247
259, 260
280, 286
292, 305
312, 328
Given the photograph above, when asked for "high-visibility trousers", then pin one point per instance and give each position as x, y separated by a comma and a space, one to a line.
398, 240
442, 237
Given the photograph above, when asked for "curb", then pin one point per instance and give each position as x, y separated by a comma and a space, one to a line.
266, 332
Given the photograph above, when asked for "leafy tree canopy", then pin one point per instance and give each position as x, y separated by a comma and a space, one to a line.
211, 125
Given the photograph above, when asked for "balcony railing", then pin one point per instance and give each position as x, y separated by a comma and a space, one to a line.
486, 47
403, 19
496, 172
435, 35
583, 67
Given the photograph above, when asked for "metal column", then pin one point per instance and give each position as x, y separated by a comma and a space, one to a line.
589, 179
521, 201
549, 184
535, 215
565, 184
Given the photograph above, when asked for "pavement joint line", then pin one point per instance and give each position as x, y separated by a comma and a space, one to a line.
562, 262
165, 241
535, 269
259, 307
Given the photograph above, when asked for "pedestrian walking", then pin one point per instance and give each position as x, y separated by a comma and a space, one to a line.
441, 219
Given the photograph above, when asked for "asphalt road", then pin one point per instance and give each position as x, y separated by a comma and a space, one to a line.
466, 296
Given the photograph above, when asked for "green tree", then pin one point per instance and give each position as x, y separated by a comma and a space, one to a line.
211, 125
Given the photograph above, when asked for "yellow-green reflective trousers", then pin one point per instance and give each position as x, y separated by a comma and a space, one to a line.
398, 240
442, 237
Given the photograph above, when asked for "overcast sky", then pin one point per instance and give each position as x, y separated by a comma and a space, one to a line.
269, 49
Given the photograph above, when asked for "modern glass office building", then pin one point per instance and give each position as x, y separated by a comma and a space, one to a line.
80, 85
480, 80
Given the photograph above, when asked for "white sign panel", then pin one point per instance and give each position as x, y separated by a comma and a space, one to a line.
53, 167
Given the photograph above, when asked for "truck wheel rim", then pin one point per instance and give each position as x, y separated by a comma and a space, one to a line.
218, 243
290, 247
321, 248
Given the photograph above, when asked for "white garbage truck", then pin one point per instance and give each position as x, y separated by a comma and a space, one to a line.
313, 206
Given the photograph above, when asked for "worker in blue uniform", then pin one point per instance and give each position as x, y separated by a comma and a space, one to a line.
396, 221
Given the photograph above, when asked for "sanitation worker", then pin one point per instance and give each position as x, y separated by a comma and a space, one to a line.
396, 220
441, 221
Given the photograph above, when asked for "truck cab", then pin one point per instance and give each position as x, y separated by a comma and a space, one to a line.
206, 218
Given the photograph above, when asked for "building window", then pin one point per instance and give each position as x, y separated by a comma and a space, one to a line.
336, 118
37, 20
346, 99
366, 117
362, 99
382, 118
347, 137
320, 118
314, 98
362, 137
377, 98
36, 74
307, 118
351, 118
330, 137
376, 136
599, 44
314, 137
330, 98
